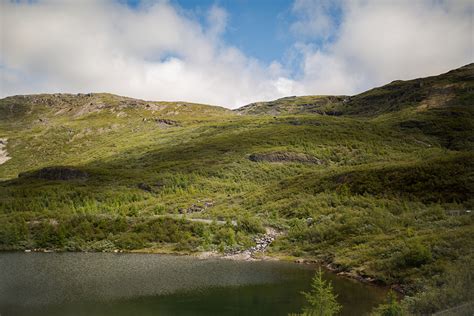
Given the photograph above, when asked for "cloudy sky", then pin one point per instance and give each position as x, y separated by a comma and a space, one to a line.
227, 53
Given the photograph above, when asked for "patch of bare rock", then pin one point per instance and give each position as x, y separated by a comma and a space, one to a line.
3, 151
284, 156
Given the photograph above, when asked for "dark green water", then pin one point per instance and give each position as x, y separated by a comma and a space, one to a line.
141, 284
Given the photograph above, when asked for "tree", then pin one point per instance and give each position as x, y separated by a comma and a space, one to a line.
322, 301
390, 308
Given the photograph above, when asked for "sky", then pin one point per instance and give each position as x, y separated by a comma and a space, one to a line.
228, 52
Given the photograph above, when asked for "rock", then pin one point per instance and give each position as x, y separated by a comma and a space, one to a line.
145, 187
208, 204
166, 122
195, 208
282, 156
192, 209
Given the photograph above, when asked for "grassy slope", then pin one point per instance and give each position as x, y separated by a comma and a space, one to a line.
378, 201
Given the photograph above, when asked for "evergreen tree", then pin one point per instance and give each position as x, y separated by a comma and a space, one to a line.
322, 301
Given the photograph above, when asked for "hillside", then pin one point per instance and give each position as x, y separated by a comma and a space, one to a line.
376, 185
455, 87
440, 106
296, 105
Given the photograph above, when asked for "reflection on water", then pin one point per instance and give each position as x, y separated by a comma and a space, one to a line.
141, 284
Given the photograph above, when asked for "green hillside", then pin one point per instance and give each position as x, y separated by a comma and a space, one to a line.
375, 185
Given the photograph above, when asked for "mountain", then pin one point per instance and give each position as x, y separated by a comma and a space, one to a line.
440, 106
296, 105
377, 186
454, 88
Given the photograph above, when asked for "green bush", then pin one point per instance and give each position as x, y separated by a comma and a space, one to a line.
250, 225
391, 308
414, 254
129, 241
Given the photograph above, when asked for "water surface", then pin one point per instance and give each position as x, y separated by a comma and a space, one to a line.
144, 284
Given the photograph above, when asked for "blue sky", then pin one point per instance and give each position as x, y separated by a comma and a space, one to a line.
228, 52
259, 28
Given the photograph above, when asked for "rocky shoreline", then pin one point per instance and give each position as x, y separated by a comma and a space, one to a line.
256, 252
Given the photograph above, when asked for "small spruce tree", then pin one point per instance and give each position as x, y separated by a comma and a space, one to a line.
322, 301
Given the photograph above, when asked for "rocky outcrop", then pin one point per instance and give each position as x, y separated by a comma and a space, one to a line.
56, 173
283, 156
262, 242
166, 122
3, 151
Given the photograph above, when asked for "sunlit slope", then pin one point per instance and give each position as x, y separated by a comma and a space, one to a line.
441, 106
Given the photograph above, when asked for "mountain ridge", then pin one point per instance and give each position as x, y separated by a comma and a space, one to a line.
412, 91
393, 93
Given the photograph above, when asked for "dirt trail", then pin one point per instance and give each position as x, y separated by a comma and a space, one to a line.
3, 151
199, 220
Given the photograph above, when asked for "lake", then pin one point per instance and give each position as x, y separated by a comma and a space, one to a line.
151, 284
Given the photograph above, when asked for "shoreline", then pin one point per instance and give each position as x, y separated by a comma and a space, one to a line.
204, 255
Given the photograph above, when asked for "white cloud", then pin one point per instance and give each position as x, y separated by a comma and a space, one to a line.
380, 41
153, 52
161, 52
314, 18
217, 18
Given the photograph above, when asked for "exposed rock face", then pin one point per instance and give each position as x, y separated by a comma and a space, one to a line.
166, 122
282, 156
3, 152
56, 173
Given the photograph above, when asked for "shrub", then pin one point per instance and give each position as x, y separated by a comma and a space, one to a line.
250, 225
390, 308
414, 254
129, 241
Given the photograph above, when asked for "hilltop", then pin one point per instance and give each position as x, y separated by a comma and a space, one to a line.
440, 106
20, 107
454, 88
376, 186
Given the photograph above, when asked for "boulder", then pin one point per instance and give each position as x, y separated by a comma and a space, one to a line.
145, 187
